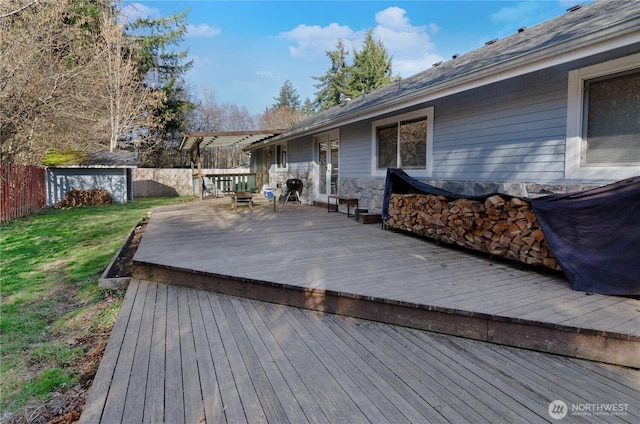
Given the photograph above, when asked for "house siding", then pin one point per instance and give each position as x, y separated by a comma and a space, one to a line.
508, 136
509, 131
300, 153
512, 131
355, 150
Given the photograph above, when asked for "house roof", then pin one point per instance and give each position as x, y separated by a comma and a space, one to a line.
190, 141
580, 32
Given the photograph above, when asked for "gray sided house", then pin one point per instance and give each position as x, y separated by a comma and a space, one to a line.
112, 171
550, 109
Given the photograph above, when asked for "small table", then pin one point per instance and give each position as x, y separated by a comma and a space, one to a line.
342, 199
241, 197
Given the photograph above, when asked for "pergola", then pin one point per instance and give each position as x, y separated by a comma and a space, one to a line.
202, 140
195, 141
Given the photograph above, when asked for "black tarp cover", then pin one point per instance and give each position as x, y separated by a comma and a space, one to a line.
399, 182
594, 234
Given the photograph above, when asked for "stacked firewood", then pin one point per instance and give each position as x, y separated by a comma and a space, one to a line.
501, 227
93, 197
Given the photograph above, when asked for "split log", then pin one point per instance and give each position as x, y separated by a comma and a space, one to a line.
497, 226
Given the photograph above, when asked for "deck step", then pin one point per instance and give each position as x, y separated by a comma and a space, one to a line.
608, 347
369, 218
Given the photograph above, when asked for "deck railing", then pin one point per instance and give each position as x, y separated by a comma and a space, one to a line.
220, 184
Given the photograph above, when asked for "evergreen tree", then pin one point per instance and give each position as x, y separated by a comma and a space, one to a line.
371, 67
308, 107
333, 85
164, 69
288, 97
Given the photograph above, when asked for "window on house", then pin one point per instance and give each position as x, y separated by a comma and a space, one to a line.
413, 143
603, 120
281, 156
611, 120
387, 146
403, 142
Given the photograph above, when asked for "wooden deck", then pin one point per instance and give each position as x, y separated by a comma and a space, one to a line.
183, 355
303, 256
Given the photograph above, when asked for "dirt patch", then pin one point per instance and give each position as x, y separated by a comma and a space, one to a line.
66, 405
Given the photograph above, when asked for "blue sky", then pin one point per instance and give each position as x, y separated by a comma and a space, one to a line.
246, 50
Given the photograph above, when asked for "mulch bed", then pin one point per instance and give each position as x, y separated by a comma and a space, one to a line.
123, 265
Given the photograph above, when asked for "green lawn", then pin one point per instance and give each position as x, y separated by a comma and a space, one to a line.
50, 304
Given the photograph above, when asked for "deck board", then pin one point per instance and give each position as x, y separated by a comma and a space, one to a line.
210, 390
140, 366
153, 406
174, 390
241, 360
178, 354
230, 407
307, 247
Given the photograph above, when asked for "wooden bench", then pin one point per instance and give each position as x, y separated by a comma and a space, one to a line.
241, 198
342, 199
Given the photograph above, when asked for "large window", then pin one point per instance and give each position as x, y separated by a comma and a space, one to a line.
611, 123
404, 142
603, 120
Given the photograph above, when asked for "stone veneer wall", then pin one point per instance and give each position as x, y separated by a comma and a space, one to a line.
279, 180
499, 227
370, 191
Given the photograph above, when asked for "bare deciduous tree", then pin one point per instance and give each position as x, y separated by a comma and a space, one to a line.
69, 80
280, 118
125, 95
45, 72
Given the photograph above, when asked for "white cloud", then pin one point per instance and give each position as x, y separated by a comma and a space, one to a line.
134, 11
202, 31
409, 66
312, 41
409, 45
521, 12
433, 28
266, 74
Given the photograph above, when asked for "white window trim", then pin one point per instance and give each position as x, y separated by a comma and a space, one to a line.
575, 143
414, 172
277, 159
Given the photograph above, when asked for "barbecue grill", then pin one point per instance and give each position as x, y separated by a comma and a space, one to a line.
294, 188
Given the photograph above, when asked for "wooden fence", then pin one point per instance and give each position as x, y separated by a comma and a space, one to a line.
22, 190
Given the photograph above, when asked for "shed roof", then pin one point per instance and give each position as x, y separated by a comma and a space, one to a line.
120, 159
580, 32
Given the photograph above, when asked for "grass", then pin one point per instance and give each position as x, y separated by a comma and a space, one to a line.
50, 302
